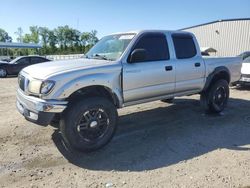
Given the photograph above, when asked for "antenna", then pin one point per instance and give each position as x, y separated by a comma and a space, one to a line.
77, 23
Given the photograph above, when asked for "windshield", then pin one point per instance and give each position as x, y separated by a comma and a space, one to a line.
110, 47
247, 60
14, 60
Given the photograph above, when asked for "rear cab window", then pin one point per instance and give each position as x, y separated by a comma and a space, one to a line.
184, 46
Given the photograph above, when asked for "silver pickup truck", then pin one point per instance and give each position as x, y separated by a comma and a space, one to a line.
82, 96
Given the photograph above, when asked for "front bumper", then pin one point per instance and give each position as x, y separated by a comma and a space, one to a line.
37, 110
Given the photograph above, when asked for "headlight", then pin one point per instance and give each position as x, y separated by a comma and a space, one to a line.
46, 86
34, 86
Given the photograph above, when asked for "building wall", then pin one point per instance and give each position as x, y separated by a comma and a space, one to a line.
229, 38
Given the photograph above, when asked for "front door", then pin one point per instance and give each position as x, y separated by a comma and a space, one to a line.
154, 76
20, 64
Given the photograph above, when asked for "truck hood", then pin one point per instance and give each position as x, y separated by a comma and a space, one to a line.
44, 70
245, 69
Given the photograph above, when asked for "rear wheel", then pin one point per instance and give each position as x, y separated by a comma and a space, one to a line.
89, 124
3, 73
216, 97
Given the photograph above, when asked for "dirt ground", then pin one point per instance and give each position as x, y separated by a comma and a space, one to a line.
156, 145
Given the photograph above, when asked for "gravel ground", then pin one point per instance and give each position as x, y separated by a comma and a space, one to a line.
156, 145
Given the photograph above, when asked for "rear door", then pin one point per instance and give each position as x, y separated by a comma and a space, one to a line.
190, 67
153, 77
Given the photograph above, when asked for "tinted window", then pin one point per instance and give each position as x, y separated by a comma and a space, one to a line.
24, 60
184, 46
35, 60
155, 45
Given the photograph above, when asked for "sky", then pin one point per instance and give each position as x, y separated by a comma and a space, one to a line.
110, 16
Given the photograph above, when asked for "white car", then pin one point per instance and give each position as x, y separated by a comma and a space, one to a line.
245, 71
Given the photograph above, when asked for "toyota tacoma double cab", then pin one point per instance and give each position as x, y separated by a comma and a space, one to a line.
82, 96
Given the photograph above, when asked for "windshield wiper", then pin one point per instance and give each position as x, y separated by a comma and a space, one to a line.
85, 56
100, 56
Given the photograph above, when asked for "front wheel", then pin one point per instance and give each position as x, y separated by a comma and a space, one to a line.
89, 124
216, 97
3, 73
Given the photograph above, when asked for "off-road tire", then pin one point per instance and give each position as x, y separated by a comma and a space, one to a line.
216, 97
69, 123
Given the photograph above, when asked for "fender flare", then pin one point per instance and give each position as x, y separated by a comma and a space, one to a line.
102, 80
216, 72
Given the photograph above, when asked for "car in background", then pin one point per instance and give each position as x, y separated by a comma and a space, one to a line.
2, 61
245, 71
245, 55
5, 60
16, 65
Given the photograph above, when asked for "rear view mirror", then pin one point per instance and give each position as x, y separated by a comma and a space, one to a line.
137, 55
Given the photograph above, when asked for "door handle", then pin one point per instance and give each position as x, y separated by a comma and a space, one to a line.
168, 68
197, 64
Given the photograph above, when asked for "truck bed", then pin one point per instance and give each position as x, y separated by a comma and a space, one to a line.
232, 63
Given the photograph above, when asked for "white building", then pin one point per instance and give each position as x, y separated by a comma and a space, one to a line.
228, 37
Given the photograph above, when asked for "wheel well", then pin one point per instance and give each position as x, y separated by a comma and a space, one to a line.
94, 91
218, 76
221, 75
5, 70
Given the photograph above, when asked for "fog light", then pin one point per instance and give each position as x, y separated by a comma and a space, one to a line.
47, 107
33, 116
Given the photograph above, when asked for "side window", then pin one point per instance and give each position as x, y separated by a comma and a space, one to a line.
35, 60
24, 60
156, 46
184, 46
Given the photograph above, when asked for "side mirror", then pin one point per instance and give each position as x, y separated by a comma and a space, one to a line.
138, 55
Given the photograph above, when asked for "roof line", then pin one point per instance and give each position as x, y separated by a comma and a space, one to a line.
222, 20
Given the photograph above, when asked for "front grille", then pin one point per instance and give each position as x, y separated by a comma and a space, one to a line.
245, 75
21, 82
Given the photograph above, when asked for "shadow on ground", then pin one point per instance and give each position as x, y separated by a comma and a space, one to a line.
164, 136
242, 87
